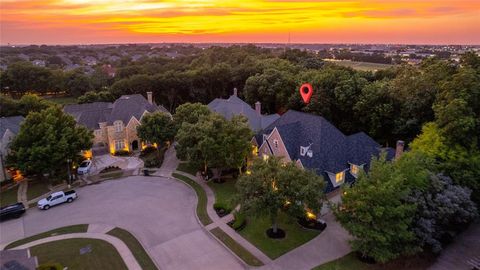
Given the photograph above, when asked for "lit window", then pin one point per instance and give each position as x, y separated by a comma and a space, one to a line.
354, 169
265, 157
118, 126
119, 145
339, 177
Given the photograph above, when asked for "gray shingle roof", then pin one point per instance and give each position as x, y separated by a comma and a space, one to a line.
332, 150
90, 114
11, 123
235, 106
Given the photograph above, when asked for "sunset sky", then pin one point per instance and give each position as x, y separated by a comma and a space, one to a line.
321, 21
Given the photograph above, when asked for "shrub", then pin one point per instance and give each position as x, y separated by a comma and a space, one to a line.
121, 153
239, 222
152, 162
221, 209
148, 150
50, 266
110, 169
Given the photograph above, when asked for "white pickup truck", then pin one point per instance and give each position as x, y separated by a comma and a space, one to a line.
57, 198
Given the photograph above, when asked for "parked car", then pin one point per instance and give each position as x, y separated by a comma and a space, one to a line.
15, 210
84, 167
57, 198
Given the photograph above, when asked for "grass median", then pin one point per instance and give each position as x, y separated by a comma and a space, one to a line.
135, 247
241, 252
81, 228
202, 198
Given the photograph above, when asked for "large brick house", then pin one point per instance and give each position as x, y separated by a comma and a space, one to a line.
312, 142
235, 106
115, 124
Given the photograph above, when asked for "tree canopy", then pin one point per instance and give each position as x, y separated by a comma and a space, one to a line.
215, 142
271, 186
156, 128
46, 140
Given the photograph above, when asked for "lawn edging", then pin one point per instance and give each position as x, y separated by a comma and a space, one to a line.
201, 210
139, 252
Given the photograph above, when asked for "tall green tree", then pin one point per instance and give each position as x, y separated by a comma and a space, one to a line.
190, 113
215, 142
374, 212
157, 128
46, 140
271, 187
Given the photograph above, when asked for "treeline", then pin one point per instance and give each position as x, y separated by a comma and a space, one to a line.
389, 104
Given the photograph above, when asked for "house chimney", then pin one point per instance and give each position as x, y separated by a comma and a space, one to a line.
235, 92
258, 107
149, 97
399, 149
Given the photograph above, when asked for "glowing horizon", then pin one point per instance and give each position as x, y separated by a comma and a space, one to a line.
247, 21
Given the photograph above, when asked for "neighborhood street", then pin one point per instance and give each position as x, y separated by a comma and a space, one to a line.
158, 211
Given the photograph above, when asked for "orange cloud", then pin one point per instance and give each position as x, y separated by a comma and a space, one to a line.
100, 21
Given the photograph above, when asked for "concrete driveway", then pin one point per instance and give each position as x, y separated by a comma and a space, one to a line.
125, 163
159, 211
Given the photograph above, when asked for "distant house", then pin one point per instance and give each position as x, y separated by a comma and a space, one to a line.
312, 142
109, 70
235, 106
115, 124
39, 63
9, 127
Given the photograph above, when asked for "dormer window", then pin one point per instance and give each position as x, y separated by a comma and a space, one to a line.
303, 150
354, 169
118, 126
275, 143
339, 177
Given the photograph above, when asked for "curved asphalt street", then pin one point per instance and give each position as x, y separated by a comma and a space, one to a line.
158, 211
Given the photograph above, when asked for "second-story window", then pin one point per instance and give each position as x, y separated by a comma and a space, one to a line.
275, 142
339, 177
118, 126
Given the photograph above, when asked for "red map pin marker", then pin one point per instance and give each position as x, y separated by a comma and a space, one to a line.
306, 90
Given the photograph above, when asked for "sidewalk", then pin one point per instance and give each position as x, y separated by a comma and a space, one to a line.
221, 222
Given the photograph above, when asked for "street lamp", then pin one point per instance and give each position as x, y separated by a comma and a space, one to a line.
69, 173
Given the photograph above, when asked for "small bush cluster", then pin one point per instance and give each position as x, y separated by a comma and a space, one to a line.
110, 169
148, 150
50, 266
239, 222
221, 209
122, 153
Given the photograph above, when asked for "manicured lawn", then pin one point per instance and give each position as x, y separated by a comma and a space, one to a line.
63, 230
273, 248
241, 252
350, 261
135, 247
62, 100
224, 192
187, 167
202, 198
363, 66
67, 252
8, 196
36, 189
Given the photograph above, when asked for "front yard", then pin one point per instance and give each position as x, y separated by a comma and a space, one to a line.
97, 254
296, 235
8, 196
224, 192
36, 189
